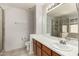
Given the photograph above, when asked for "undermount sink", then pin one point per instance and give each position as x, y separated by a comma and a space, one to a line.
62, 47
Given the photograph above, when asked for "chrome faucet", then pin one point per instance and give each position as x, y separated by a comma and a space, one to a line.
63, 42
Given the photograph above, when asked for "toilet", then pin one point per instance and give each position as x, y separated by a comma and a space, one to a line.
26, 43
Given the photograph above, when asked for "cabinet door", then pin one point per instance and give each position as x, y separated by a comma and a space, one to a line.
46, 49
38, 51
44, 53
34, 47
39, 44
55, 54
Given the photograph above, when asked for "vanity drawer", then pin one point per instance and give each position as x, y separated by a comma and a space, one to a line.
46, 49
34, 41
55, 54
39, 44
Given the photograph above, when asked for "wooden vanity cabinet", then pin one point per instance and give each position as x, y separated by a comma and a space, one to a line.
42, 50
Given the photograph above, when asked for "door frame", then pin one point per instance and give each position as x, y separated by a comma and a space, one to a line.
3, 28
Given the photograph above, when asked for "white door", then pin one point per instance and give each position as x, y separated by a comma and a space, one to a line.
0, 29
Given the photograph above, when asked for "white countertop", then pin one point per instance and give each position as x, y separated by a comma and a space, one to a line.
50, 43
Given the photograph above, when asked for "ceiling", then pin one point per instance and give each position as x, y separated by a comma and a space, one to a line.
20, 5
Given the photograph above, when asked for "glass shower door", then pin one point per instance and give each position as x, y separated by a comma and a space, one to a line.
0, 29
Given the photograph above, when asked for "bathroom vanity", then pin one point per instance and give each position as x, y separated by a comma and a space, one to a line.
50, 46
42, 50
62, 24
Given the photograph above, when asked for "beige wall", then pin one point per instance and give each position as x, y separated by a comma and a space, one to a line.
17, 26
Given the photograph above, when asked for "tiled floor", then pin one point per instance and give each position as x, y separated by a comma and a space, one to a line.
17, 52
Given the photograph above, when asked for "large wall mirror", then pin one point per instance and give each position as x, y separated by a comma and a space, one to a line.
62, 21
